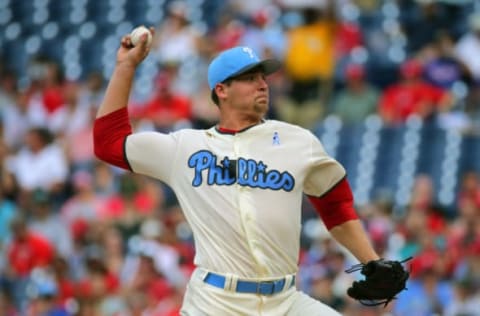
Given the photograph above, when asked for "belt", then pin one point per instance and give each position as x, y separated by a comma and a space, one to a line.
263, 288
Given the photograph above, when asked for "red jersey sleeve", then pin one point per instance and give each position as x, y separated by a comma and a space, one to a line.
336, 206
109, 135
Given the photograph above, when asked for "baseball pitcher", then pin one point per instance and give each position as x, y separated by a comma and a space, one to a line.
240, 185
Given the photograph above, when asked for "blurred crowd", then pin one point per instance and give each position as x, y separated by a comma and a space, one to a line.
79, 237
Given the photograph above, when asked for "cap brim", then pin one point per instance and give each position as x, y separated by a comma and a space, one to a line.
268, 66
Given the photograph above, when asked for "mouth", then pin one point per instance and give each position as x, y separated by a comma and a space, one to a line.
262, 98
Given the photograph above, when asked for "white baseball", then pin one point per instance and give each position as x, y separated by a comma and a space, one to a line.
136, 35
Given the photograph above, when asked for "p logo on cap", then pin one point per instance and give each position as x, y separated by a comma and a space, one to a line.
235, 61
250, 52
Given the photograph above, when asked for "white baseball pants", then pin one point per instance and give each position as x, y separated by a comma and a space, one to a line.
202, 299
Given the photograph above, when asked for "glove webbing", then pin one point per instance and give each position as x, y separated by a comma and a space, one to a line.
358, 267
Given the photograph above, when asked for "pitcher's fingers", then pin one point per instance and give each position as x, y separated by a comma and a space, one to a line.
144, 42
146, 51
126, 41
152, 30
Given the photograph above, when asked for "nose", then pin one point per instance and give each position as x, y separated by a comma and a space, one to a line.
262, 82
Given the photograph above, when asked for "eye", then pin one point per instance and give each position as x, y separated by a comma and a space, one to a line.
258, 77
252, 77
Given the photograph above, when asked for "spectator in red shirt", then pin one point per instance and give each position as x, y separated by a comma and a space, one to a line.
161, 296
412, 96
27, 250
46, 89
464, 231
423, 200
469, 190
348, 37
167, 109
99, 284
229, 31
66, 286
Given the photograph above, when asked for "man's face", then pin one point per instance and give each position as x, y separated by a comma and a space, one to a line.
248, 93
19, 231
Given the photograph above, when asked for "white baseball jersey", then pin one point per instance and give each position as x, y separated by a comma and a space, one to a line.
241, 193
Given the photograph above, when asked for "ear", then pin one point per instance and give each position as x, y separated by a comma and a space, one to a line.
221, 90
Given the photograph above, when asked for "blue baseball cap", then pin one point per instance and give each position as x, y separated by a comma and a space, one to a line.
235, 61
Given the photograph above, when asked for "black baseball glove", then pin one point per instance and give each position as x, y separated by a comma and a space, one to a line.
384, 279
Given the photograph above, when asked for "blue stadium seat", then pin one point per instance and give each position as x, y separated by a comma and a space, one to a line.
97, 11
348, 151
16, 56
53, 48
91, 52
432, 151
136, 12
470, 154
60, 11
388, 159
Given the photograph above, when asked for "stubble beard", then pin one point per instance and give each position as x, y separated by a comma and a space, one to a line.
261, 106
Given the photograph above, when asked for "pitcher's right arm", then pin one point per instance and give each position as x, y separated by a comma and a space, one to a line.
112, 124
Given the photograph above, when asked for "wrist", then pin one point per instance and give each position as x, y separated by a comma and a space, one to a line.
126, 65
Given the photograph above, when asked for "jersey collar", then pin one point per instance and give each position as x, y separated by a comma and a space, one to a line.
228, 131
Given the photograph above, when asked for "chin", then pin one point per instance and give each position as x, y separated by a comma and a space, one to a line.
261, 107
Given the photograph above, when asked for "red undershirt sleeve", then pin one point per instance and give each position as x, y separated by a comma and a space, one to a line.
109, 135
336, 206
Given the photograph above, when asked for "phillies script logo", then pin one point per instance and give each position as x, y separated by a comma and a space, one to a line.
245, 172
